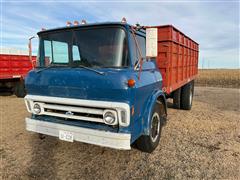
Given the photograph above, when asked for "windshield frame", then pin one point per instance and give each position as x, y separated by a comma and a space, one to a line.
70, 53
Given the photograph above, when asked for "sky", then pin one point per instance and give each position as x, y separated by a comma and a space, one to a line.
213, 24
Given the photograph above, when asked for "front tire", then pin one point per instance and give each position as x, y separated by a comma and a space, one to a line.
148, 143
187, 96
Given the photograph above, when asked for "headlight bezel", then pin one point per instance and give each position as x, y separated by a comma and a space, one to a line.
34, 108
111, 113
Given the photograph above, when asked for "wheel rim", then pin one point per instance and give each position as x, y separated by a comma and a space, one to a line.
155, 127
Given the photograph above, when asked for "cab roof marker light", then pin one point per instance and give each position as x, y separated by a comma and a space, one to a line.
75, 23
83, 21
69, 24
124, 20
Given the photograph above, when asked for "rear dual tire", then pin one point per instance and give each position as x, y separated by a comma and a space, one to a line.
19, 89
177, 99
182, 97
187, 96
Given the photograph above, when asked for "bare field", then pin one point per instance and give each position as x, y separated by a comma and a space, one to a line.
229, 78
203, 143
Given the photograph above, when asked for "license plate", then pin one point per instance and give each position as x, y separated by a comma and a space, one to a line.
66, 136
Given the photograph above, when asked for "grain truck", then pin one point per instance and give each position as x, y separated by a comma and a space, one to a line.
107, 83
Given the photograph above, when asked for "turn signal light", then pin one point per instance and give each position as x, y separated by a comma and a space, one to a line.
131, 82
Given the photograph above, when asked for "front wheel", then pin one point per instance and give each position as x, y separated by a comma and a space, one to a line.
148, 143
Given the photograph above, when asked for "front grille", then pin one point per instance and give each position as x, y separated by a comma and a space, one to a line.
73, 112
78, 109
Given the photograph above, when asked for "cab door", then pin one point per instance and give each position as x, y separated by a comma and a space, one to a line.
145, 79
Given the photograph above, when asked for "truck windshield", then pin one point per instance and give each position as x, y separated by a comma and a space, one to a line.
92, 47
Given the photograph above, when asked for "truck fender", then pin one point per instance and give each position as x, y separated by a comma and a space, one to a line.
157, 96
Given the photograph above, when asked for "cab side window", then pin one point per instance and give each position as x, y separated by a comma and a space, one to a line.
135, 56
142, 45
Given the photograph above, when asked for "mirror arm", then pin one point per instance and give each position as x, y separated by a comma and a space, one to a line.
30, 50
139, 51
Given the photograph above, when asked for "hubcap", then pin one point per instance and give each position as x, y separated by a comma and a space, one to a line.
155, 127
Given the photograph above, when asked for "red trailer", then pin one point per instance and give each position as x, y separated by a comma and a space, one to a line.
177, 60
14, 66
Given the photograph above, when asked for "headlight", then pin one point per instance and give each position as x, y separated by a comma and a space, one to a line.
110, 117
36, 108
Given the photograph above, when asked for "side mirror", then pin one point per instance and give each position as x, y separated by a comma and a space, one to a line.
30, 51
151, 42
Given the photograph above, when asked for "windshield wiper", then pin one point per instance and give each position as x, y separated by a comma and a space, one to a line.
90, 69
81, 66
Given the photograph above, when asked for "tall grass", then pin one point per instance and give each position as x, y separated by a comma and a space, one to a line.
219, 78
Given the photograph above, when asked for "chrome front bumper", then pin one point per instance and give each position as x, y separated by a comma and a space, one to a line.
91, 136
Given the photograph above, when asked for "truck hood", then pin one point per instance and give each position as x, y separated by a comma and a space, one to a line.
80, 83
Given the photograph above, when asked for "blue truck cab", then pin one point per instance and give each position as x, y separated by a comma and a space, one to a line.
94, 83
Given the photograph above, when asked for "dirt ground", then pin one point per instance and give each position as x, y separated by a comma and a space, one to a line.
196, 144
